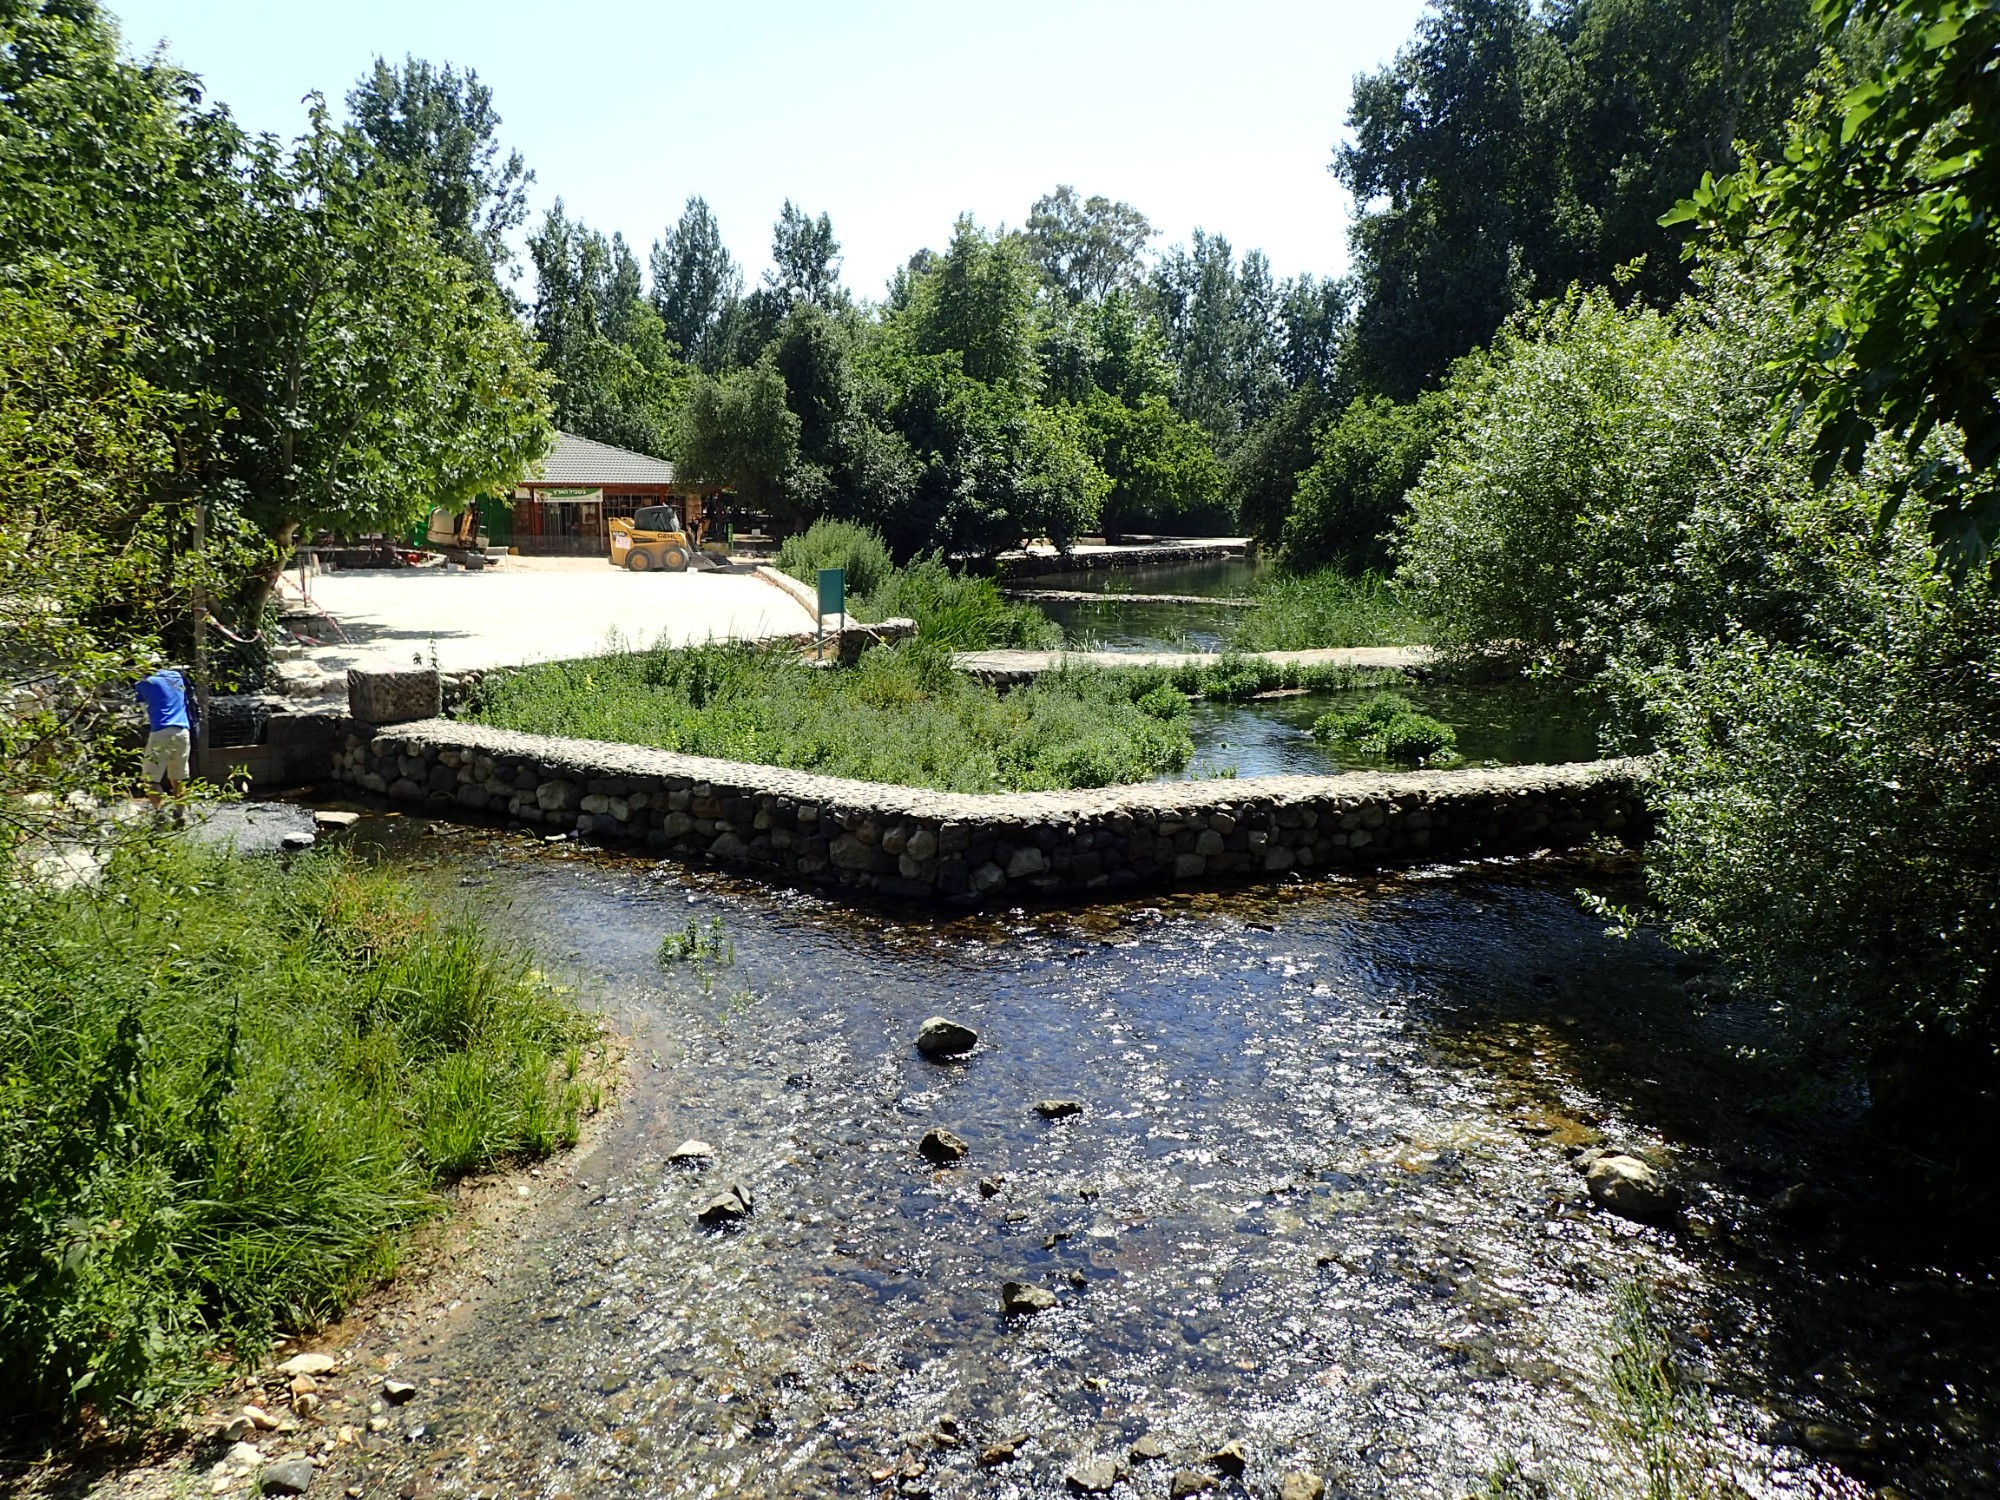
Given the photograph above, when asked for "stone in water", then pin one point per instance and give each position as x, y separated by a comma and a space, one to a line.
1629, 1188
943, 1037
1018, 1298
942, 1147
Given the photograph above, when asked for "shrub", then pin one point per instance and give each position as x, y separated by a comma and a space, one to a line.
1828, 821
838, 544
225, 1086
1388, 725
1609, 489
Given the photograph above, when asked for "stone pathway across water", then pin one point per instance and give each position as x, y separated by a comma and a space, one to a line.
1021, 666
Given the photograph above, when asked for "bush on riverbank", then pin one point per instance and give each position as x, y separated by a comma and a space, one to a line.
956, 611
225, 1086
1311, 611
898, 716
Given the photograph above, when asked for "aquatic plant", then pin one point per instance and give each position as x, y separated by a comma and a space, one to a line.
901, 715
1311, 611
1390, 726
702, 943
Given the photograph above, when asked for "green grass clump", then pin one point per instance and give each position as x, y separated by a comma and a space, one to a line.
1388, 725
837, 544
700, 943
960, 612
225, 1087
1311, 611
1232, 678
899, 715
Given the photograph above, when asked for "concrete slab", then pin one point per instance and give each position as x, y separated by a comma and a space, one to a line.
527, 610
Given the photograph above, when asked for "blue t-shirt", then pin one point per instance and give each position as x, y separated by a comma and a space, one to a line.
165, 697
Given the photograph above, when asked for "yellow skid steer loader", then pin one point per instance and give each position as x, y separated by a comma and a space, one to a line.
653, 538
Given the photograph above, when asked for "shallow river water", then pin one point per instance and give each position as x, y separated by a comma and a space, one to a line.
1319, 1199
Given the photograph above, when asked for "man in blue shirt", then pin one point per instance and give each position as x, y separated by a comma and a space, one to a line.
169, 732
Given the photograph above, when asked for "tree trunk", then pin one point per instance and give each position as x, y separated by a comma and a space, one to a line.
256, 591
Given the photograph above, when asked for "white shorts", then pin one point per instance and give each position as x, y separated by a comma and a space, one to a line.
166, 755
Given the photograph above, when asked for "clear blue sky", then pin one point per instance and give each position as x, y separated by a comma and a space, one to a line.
894, 117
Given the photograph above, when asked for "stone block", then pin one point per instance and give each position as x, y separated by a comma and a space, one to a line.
558, 796
394, 697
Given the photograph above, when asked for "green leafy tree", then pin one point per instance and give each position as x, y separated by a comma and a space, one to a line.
1605, 491
88, 581
1886, 204
849, 462
1162, 468
1219, 321
1827, 823
695, 286
805, 259
440, 125
1262, 468
1365, 461
1086, 248
362, 374
614, 376
991, 465
1510, 150
738, 431
977, 300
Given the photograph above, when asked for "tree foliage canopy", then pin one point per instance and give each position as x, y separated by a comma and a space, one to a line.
1886, 200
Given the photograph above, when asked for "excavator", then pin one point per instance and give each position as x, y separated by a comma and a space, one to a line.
456, 535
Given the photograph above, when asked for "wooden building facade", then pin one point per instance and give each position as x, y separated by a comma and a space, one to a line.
561, 508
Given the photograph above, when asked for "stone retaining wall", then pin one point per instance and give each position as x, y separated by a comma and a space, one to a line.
905, 841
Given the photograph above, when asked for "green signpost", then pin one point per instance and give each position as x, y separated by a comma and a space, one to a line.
832, 601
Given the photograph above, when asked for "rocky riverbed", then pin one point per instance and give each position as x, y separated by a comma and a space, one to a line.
1383, 1186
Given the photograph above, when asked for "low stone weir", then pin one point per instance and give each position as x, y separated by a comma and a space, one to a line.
906, 841
1013, 565
1010, 667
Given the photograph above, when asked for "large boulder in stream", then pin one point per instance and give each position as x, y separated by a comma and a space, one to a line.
941, 1036
1629, 1188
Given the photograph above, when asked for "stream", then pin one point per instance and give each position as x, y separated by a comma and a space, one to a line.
1319, 1198
1502, 723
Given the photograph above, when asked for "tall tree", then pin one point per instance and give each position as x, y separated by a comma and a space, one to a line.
615, 378
1219, 320
1510, 150
738, 431
1086, 247
361, 374
1436, 164
805, 259
695, 285
441, 125
978, 300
